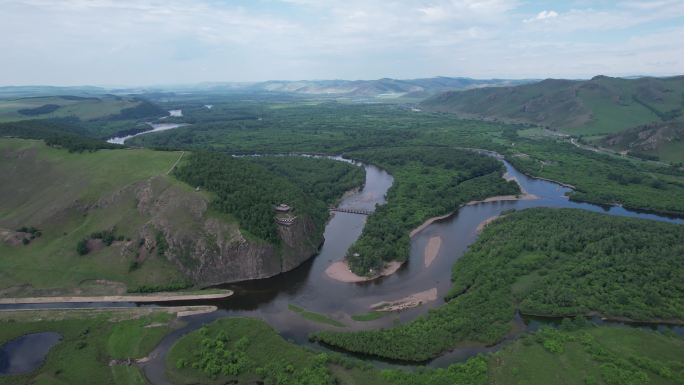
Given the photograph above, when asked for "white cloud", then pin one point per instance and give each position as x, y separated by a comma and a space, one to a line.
542, 16
154, 41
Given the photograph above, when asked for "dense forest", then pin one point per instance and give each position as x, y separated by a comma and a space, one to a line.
248, 190
40, 110
283, 126
545, 262
428, 181
144, 109
255, 126
325, 179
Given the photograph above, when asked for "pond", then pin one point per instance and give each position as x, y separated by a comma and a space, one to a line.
26, 353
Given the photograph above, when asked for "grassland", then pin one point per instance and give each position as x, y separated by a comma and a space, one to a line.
69, 196
91, 339
82, 108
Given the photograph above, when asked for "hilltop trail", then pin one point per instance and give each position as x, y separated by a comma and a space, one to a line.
176, 163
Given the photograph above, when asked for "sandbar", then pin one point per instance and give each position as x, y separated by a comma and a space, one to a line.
432, 249
340, 271
411, 301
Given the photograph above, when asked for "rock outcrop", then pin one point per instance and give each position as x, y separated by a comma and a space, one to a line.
208, 247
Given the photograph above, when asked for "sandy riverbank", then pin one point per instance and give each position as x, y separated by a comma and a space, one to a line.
153, 297
411, 301
431, 250
340, 271
428, 223
484, 223
501, 198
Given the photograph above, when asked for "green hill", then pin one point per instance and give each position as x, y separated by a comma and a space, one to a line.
664, 141
84, 108
109, 221
599, 106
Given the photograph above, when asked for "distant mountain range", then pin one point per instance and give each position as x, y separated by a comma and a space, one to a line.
33, 91
600, 106
380, 88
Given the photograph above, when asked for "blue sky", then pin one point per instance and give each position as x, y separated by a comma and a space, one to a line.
153, 42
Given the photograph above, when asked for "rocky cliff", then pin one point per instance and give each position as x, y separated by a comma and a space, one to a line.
209, 248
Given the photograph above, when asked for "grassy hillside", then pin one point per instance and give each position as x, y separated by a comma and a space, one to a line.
85, 108
68, 197
599, 106
664, 141
544, 262
116, 220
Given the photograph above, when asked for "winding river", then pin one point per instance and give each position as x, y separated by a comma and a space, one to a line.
155, 127
308, 286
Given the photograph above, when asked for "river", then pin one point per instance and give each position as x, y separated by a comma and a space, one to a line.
308, 286
155, 127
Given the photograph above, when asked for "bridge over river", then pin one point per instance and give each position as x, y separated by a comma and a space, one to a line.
351, 210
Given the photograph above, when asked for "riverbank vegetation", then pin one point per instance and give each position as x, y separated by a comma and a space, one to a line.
589, 355
246, 350
325, 179
601, 178
90, 340
249, 189
545, 262
257, 353
428, 181
316, 317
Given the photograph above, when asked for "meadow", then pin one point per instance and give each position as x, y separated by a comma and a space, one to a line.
55, 187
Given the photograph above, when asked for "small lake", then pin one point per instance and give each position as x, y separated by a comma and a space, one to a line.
26, 353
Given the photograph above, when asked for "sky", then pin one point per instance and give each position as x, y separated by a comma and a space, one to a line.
150, 42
